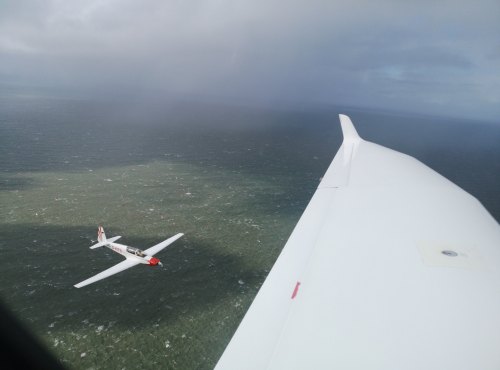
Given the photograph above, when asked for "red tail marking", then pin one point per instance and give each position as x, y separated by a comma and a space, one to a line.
296, 290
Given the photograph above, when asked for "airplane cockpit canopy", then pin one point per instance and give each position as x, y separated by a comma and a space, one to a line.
136, 251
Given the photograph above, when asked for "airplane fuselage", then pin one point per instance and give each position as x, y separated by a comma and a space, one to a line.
133, 253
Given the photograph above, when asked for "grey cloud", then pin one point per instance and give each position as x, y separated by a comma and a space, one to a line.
431, 56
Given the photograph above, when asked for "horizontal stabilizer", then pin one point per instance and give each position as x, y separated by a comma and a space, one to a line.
102, 244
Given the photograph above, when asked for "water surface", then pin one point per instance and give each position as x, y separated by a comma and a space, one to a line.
234, 180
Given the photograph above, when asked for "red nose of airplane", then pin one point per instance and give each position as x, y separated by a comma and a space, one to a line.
153, 261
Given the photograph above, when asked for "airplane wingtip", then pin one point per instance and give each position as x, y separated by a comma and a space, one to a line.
348, 129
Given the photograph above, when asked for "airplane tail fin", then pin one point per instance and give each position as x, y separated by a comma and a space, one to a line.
101, 238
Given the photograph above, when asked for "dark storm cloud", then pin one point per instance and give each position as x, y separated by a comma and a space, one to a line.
431, 56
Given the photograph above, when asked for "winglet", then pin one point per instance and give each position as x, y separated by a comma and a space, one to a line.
348, 130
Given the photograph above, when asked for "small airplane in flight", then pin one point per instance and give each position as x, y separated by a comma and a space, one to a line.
133, 256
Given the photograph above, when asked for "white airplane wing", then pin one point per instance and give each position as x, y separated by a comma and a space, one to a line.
391, 266
128, 263
158, 247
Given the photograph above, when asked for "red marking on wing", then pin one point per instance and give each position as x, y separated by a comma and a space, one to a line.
296, 290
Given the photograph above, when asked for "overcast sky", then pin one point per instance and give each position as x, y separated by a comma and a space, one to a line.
438, 57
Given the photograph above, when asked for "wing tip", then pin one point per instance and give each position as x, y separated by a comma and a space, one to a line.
348, 129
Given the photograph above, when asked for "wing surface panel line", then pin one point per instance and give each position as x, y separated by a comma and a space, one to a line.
300, 277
